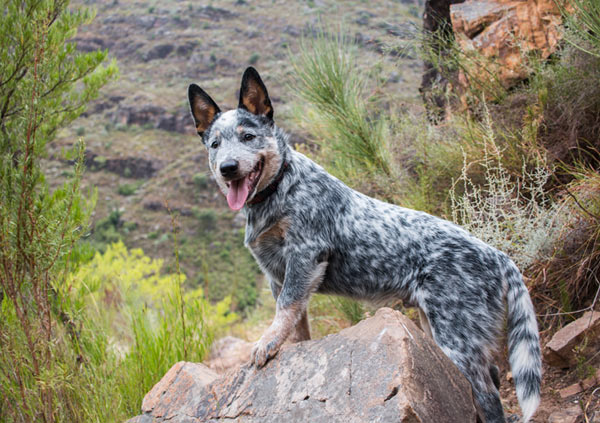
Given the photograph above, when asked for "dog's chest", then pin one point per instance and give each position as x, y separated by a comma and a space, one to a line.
268, 249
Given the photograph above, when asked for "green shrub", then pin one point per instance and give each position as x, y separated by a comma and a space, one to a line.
99, 161
254, 58
329, 83
128, 189
353, 310
46, 84
143, 324
517, 217
200, 180
585, 25
206, 217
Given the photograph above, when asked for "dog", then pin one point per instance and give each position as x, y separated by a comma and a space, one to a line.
311, 233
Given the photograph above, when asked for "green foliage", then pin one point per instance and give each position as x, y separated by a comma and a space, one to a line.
128, 189
106, 231
353, 141
226, 267
99, 161
254, 57
45, 84
207, 218
353, 310
200, 180
516, 217
566, 104
152, 325
585, 25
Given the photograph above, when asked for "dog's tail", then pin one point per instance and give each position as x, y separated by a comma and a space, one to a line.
523, 341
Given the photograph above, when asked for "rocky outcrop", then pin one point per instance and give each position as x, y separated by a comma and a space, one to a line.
580, 386
154, 117
381, 370
129, 167
504, 32
580, 338
494, 36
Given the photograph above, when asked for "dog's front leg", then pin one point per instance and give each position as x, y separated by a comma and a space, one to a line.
270, 342
301, 279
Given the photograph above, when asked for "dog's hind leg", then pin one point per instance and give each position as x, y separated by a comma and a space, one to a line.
495, 375
465, 343
302, 329
486, 393
425, 327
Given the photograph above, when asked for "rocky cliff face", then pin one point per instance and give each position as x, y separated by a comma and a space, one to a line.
505, 32
494, 36
383, 369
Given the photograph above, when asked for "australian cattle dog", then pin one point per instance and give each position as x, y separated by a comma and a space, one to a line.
311, 233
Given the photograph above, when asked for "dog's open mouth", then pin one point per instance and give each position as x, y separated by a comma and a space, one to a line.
240, 189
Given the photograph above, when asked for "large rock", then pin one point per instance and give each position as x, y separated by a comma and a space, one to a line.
580, 338
382, 370
494, 36
504, 32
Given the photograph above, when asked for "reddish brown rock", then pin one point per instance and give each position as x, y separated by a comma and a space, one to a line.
502, 33
383, 369
581, 386
570, 415
578, 338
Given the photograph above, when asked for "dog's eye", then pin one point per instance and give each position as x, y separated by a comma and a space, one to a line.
214, 144
249, 137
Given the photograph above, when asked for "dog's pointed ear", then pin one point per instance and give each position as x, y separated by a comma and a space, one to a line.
203, 108
254, 96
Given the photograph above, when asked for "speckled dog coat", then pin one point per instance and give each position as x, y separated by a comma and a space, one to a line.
311, 233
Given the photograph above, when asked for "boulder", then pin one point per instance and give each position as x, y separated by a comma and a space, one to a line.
581, 386
494, 36
505, 31
158, 52
578, 338
569, 415
383, 369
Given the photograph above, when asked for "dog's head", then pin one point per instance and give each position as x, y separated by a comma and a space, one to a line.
243, 151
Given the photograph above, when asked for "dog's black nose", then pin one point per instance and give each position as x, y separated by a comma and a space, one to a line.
229, 168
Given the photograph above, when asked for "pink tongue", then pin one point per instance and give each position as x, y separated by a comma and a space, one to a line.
237, 194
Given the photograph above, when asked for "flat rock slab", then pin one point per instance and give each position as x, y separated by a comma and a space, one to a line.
384, 369
578, 338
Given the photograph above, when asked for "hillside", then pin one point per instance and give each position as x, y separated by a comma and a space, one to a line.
142, 151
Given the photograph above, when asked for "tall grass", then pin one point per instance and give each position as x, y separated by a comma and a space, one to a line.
567, 283
354, 139
135, 323
585, 23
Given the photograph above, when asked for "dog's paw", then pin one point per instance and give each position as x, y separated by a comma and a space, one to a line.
263, 350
